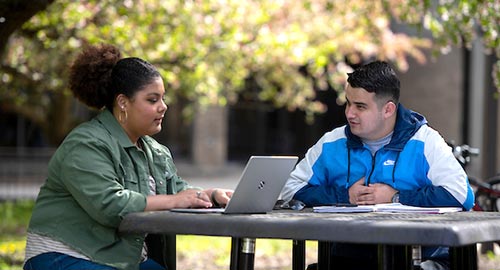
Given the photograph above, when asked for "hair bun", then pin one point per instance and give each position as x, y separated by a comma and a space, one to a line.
90, 75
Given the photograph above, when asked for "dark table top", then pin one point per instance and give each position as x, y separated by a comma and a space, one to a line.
450, 229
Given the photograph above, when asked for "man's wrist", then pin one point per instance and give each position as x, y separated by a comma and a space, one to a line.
395, 197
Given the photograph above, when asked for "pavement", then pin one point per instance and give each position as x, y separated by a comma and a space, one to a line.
226, 176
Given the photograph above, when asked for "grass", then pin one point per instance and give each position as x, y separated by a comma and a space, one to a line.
213, 253
14, 216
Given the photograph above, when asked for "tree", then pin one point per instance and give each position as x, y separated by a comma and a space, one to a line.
455, 22
207, 50
14, 13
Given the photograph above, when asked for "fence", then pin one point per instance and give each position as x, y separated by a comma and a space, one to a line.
22, 171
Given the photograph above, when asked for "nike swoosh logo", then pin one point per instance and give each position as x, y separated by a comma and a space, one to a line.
389, 162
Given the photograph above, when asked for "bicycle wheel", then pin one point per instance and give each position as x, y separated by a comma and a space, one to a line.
483, 200
487, 194
494, 192
481, 194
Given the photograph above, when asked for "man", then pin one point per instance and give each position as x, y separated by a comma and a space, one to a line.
386, 153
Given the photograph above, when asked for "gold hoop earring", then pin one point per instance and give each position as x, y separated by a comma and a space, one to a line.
120, 117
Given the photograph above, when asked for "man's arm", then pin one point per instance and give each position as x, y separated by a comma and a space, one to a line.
312, 181
449, 185
322, 195
428, 196
303, 173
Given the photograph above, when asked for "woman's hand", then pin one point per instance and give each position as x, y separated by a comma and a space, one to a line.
190, 198
193, 198
220, 197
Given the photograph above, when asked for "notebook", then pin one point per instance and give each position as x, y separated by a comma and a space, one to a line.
258, 188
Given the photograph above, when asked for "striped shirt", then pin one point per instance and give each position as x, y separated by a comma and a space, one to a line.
37, 244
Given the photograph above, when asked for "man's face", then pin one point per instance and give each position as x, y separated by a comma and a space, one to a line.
365, 118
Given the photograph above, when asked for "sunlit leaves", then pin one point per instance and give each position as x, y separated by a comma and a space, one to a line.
207, 49
455, 22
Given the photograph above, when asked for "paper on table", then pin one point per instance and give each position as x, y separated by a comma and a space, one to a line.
344, 209
398, 207
386, 207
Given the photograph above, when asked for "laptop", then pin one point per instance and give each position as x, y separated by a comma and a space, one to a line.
259, 186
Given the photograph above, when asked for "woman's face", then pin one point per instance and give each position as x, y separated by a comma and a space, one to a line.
145, 111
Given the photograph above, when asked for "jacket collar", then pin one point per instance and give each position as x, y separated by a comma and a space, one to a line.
407, 124
110, 123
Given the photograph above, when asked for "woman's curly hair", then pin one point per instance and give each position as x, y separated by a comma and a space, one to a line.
99, 74
90, 75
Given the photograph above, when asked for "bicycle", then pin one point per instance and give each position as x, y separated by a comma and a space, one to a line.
486, 193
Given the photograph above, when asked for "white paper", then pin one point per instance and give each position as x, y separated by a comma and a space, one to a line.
344, 209
386, 207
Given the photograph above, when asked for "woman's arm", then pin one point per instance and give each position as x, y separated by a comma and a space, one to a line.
189, 198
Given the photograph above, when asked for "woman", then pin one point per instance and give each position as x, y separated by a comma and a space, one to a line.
107, 168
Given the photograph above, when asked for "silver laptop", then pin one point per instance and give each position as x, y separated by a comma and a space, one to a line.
258, 188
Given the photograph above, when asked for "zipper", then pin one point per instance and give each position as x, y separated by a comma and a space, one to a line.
373, 168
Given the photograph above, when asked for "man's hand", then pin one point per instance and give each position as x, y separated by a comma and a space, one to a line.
371, 194
356, 190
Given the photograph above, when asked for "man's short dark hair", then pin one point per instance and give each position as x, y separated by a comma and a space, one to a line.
376, 77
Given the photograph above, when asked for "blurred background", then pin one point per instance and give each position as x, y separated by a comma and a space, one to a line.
249, 77
254, 77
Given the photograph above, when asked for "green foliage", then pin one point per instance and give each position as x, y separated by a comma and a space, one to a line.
14, 217
455, 22
206, 50
12, 254
197, 250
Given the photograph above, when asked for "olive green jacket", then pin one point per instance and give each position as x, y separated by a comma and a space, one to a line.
95, 178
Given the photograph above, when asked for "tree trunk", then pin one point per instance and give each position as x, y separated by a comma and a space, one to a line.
14, 13
60, 119
210, 138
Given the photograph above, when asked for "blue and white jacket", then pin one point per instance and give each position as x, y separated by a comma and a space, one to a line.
417, 162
